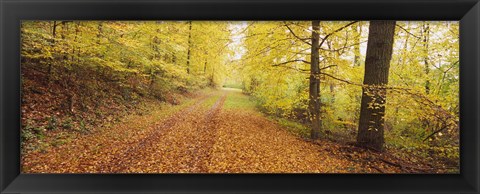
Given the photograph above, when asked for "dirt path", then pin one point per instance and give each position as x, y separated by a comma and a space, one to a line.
185, 147
127, 158
202, 137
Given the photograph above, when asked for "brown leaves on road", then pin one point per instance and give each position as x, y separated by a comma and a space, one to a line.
200, 138
249, 143
183, 149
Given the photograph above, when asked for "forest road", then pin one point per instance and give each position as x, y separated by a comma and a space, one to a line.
214, 134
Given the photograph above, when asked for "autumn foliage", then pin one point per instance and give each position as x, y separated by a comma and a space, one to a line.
238, 97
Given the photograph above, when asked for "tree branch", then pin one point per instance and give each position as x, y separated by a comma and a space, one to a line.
327, 67
408, 32
291, 61
339, 49
337, 30
435, 132
295, 35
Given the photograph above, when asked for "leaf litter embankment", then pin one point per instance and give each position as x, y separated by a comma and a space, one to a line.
99, 151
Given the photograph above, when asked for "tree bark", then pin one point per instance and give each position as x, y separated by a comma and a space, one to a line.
314, 89
205, 67
377, 64
357, 29
99, 32
50, 64
189, 45
426, 37
54, 31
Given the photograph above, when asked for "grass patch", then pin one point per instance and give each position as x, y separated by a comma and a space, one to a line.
293, 127
210, 101
237, 100
233, 85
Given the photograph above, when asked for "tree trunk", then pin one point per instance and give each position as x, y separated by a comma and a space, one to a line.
377, 64
189, 45
357, 29
205, 67
314, 90
63, 35
50, 65
77, 31
426, 36
99, 32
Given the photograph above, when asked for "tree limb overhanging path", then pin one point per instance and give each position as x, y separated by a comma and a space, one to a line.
209, 134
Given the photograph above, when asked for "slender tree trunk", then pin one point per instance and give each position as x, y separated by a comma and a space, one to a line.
54, 31
426, 36
377, 64
50, 65
189, 45
75, 39
333, 86
205, 67
77, 32
314, 90
357, 29
63, 35
99, 38
99, 32
64, 29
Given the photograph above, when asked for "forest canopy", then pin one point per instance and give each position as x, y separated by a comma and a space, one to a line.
383, 86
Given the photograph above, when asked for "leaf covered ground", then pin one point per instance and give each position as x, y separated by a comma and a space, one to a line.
216, 132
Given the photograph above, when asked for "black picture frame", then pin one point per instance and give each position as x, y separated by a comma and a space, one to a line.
14, 11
